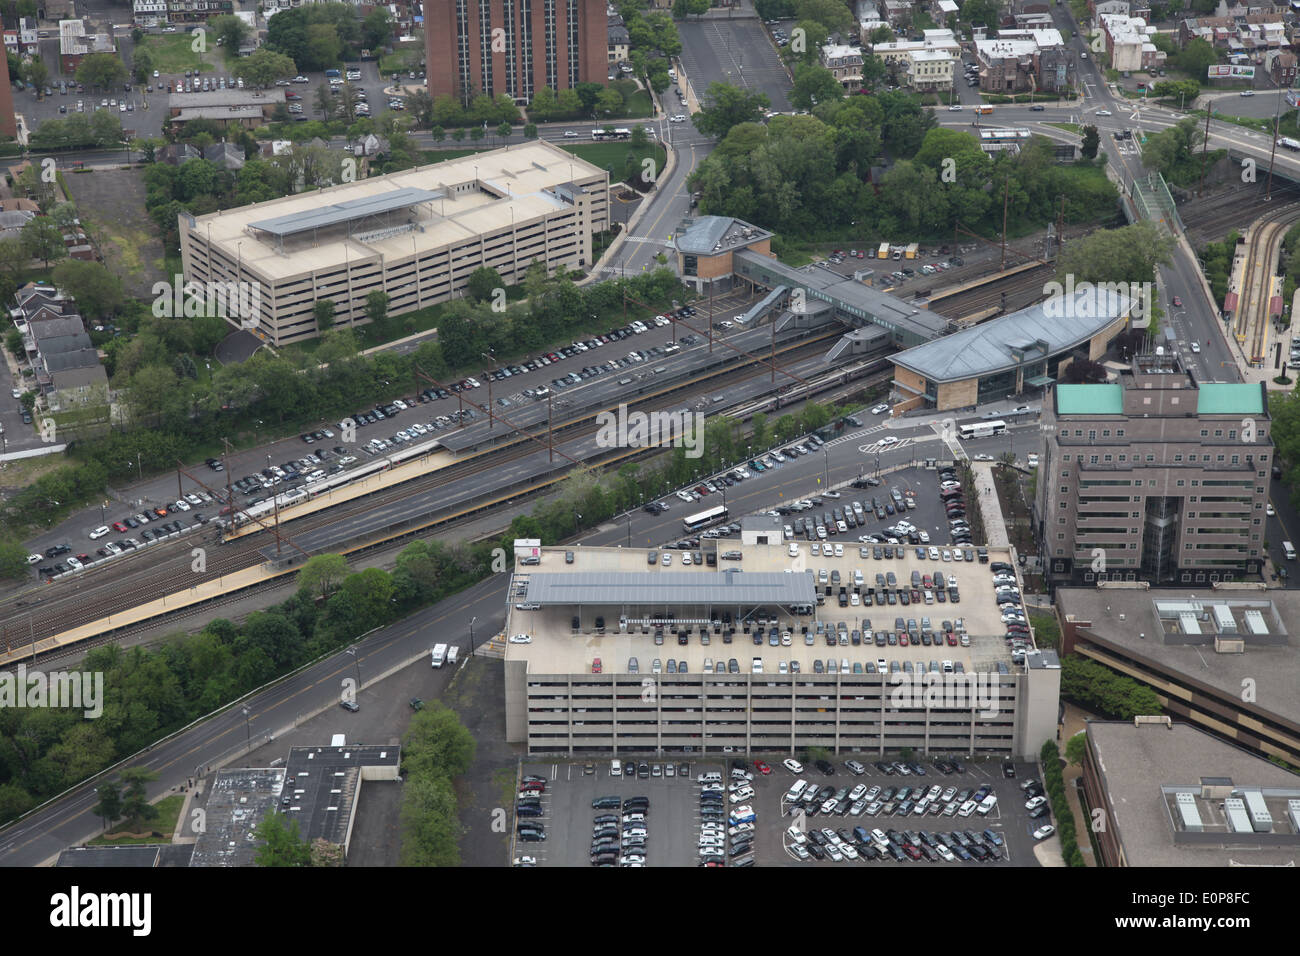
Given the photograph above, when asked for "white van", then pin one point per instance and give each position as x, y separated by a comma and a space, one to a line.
615, 768
987, 805
1289, 550
797, 790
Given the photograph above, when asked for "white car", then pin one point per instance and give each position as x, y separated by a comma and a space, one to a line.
879, 409
792, 765
35, 558
983, 456
1100, 112
182, 504
1033, 803
1196, 347
1043, 832
1032, 460
745, 793
521, 639
1268, 510
945, 854
98, 532
955, 108
570, 134
794, 548
888, 440
16, 392
74, 563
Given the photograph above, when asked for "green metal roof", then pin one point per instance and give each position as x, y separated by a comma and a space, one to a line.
1220, 399
1089, 400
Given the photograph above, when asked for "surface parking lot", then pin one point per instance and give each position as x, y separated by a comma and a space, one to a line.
1008, 819
673, 820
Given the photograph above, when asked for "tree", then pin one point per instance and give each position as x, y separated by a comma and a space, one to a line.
103, 70
1126, 255
109, 807
324, 47
321, 574
530, 131
142, 63
98, 291
814, 84
43, 239
13, 558
609, 103
377, 306
283, 844
729, 106
229, 31
38, 74
483, 283
504, 130
264, 66
136, 808
14, 343
1076, 748
377, 29
324, 312
325, 100
1091, 141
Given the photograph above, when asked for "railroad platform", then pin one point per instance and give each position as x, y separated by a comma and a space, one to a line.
158, 607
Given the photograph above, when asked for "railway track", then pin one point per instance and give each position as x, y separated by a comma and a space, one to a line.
1257, 274
1020, 290
121, 585
1212, 218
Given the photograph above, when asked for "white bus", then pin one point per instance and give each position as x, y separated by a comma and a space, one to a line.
981, 429
705, 518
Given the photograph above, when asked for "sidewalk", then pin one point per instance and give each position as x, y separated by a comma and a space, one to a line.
1075, 721
995, 526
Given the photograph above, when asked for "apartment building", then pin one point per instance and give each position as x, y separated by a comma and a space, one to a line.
591, 678
1129, 43
416, 235
541, 43
1156, 476
930, 69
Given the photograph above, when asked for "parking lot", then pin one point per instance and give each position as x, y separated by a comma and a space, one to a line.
673, 820
738, 52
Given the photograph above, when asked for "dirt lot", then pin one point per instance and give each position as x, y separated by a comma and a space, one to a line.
111, 206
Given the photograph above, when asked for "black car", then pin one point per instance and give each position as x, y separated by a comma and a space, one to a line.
1008, 769
606, 803
825, 767
350, 705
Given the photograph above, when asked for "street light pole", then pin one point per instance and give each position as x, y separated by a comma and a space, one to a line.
356, 660
248, 730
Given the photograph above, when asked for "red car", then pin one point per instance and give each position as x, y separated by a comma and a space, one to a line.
595, 665
702, 490
118, 526
952, 639
1177, 301
762, 768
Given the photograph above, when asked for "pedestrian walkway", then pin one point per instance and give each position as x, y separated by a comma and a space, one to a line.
1076, 720
995, 526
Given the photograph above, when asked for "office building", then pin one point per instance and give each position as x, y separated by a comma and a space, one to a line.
515, 47
630, 651
416, 235
1219, 656
1170, 795
1156, 477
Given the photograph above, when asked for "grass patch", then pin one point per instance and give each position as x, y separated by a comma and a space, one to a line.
1047, 632
169, 809
401, 62
613, 156
172, 54
638, 106
1068, 127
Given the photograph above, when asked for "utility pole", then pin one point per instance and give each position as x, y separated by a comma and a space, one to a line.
1209, 110
1006, 194
550, 436
1277, 119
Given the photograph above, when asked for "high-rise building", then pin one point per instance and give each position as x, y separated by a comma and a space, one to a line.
515, 47
1156, 477
8, 122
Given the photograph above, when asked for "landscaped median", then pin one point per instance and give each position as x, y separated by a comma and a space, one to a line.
1053, 781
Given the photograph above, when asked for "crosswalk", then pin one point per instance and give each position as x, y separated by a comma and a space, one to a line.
876, 446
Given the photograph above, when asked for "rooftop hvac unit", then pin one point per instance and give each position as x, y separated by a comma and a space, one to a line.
1191, 817
1260, 818
1238, 821
1293, 814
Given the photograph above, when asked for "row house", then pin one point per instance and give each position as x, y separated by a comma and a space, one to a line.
1222, 32
1120, 8
620, 41
1281, 66
25, 39
149, 13
941, 10
197, 11
67, 365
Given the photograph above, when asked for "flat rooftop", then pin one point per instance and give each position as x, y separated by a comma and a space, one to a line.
1128, 619
557, 649
323, 783
483, 193
1142, 765
238, 801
